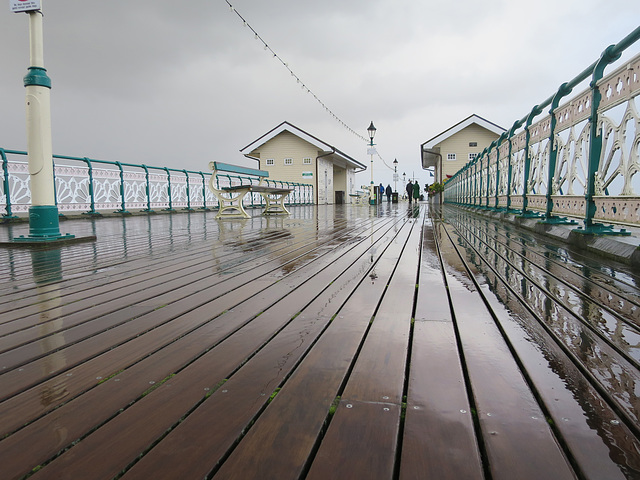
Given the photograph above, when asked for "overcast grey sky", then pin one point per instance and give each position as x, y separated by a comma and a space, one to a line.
181, 83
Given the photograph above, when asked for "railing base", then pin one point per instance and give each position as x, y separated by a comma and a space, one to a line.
553, 220
601, 229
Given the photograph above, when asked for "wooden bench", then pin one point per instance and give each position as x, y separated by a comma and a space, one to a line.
361, 196
230, 198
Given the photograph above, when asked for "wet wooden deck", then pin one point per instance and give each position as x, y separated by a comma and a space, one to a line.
339, 342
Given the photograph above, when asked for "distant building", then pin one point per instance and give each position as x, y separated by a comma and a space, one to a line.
291, 154
458, 145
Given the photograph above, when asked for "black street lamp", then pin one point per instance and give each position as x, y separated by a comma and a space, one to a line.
395, 175
372, 132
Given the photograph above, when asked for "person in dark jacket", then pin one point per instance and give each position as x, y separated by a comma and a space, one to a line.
388, 192
416, 191
409, 191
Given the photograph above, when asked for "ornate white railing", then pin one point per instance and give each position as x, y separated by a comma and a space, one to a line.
551, 166
85, 185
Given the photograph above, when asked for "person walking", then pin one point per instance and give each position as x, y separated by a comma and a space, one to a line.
416, 192
409, 190
388, 192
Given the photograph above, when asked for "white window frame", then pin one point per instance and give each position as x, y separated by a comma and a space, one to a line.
451, 157
306, 161
269, 162
288, 161
472, 156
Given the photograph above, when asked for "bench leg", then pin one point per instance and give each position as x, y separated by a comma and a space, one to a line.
276, 205
232, 207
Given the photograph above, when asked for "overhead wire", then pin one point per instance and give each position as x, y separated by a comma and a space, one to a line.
299, 81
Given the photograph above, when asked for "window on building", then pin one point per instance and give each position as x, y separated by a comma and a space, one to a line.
269, 161
306, 161
472, 156
473, 144
288, 161
451, 156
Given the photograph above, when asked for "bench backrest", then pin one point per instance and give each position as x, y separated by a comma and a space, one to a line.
227, 167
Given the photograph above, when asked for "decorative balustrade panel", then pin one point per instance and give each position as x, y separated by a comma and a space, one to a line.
571, 169
18, 181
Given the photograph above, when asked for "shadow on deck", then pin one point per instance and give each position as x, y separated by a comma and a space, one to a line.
339, 342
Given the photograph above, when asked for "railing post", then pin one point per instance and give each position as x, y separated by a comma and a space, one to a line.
515, 126
496, 144
123, 202
527, 162
147, 189
563, 91
170, 209
204, 194
595, 139
188, 191
92, 198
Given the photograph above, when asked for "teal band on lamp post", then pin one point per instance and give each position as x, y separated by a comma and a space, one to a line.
372, 188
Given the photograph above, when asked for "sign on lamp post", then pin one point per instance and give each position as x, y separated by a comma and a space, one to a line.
18, 6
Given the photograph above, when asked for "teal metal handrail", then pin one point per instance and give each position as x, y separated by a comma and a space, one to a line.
476, 179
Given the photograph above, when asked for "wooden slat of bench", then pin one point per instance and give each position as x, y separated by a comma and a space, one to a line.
257, 189
305, 400
227, 167
215, 425
362, 438
439, 439
517, 438
159, 410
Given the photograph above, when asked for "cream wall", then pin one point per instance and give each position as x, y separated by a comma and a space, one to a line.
288, 145
325, 182
458, 143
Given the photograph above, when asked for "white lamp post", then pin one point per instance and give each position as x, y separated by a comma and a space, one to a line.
372, 132
43, 212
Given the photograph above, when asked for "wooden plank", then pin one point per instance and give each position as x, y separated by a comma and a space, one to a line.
214, 427
139, 283
517, 438
156, 412
116, 359
439, 438
593, 433
148, 316
362, 437
306, 398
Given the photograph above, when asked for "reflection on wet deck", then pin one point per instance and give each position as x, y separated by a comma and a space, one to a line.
339, 342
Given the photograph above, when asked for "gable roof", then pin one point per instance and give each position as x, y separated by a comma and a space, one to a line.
315, 141
470, 120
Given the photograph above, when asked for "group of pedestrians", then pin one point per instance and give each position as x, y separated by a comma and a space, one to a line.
413, 191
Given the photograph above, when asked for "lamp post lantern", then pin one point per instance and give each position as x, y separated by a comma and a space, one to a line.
372, 193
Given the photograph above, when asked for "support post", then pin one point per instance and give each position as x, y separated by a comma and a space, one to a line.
43, 213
